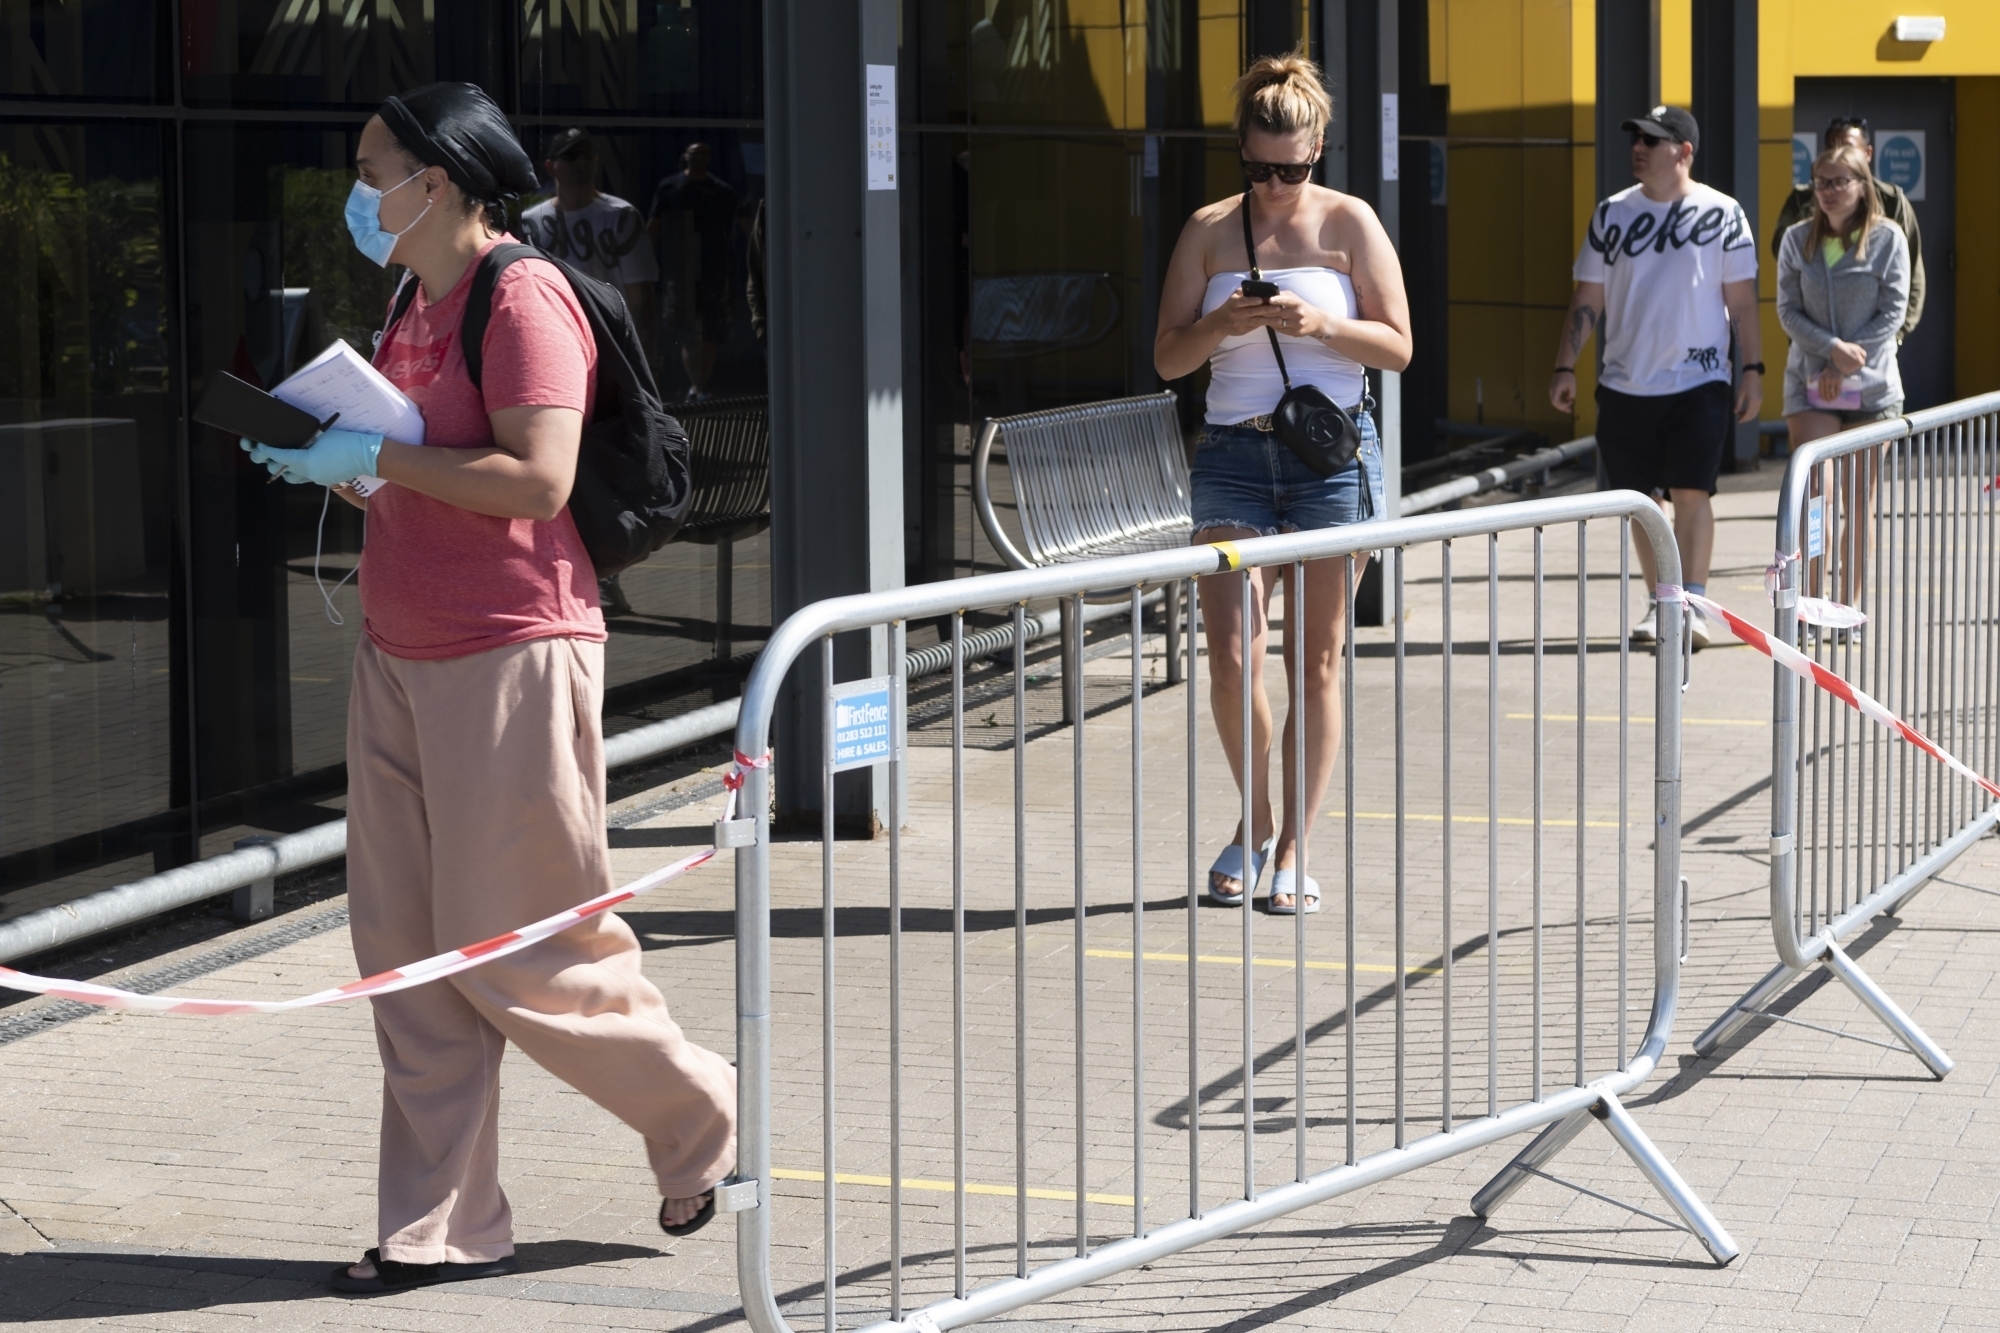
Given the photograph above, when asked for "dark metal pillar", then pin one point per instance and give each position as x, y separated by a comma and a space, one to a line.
1374, 171
1725, 105
1628, 82
835, 358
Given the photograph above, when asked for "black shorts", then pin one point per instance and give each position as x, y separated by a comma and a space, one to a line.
1664, 442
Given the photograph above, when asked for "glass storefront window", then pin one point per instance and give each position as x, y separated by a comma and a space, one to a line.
272, 280
666, 57
694, 193
90, 50
87, 520
331, 53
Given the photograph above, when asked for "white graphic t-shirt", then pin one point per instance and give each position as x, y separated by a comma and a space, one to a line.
1663, 266
606, 238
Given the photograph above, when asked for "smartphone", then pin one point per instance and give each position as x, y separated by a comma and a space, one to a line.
1256, 287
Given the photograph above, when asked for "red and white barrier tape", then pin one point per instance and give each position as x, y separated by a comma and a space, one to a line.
1796, 662
401, 978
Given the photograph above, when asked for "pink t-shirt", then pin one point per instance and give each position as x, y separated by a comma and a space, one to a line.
439, 581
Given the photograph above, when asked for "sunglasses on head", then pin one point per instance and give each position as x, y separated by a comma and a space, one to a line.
1291, 173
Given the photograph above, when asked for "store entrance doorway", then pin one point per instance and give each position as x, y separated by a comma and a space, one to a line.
1912, 123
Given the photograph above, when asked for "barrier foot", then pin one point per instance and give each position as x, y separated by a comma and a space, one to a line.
1693, 1212
1888, 1011
1733, 1018
1666, 1180
1539, 1152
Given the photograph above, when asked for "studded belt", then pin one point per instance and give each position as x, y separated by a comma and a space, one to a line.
1268, 424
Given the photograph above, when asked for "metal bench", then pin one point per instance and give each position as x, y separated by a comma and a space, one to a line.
729, 444
1098, 479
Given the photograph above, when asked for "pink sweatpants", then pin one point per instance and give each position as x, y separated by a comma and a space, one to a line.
476, 804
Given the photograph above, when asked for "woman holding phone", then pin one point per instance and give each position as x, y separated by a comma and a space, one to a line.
475, 752
1843, 284
1843, 287
1332, 291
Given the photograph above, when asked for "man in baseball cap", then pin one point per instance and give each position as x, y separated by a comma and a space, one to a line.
1666, 122
1666, 278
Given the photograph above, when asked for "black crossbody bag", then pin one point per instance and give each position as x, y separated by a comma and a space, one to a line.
1312, 425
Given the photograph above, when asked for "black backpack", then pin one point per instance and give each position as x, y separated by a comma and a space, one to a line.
632, 486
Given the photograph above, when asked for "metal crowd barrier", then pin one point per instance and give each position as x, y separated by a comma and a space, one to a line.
1897, 519
1014, 1058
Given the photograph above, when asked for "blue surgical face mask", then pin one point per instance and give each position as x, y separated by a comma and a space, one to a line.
364, 219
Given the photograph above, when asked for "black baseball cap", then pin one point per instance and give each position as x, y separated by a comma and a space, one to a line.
571, 143
1666, 122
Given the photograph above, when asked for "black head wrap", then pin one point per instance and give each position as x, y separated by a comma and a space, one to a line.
457, 126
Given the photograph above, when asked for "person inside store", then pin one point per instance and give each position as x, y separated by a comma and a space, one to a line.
598, 233
605, 237
694, 216
1844, 281
1338, 309
1666, 278
475, 754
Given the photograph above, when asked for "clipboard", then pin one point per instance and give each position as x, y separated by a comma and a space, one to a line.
241, 409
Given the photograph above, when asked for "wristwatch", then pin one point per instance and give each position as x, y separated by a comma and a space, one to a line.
1564, 370
1757, 366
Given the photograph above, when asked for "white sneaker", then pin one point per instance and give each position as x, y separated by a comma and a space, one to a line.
1648, 629
1698, 628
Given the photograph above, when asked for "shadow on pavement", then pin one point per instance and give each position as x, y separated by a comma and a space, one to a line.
88, 1284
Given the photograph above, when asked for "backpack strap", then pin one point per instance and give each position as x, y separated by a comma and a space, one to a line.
479, 301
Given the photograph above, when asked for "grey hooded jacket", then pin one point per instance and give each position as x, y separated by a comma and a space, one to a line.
1856, 300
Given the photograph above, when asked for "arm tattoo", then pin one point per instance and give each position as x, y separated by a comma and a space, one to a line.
1582, 321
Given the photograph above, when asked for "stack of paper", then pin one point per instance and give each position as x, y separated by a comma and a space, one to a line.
341, 380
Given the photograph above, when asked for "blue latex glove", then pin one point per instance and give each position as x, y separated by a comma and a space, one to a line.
335, 458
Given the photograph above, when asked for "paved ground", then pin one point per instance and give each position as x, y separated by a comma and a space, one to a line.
186, 1173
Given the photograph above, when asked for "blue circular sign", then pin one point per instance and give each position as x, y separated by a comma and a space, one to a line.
1802, 160
1899, 161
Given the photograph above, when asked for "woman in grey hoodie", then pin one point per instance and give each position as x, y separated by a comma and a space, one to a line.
1843, 285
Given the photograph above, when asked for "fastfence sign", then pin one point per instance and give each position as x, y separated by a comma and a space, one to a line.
864, 723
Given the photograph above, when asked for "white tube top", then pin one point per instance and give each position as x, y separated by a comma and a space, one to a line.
1244, 379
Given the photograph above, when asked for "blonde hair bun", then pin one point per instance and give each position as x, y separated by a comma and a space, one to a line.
1282, 95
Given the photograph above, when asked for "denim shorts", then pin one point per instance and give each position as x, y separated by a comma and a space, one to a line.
1246, 478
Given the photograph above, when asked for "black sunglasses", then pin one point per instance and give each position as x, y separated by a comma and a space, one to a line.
1291, 173
1650, 140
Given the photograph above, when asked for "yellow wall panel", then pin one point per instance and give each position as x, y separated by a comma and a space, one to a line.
1677, 52
1521, 166
1485, 43
1486, 220
1774, 71
1549, 58
1978, 275
1440, 47
1856, 37
1221, 30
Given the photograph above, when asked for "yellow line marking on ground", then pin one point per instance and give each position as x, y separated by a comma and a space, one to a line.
1613, 717
1311, 964
945, 1186
1336, 813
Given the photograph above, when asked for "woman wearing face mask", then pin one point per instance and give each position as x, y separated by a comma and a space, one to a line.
474, 751
1843, 288
1340, 307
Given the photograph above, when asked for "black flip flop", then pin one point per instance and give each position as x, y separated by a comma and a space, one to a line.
693, 1224
395, 1275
